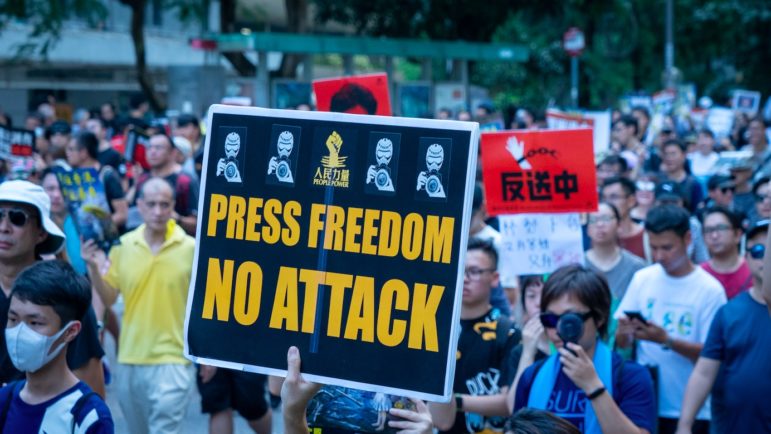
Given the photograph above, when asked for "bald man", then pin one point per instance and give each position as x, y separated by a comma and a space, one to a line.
151, 267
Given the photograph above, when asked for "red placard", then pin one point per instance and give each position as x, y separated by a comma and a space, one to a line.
359, 94
545, 171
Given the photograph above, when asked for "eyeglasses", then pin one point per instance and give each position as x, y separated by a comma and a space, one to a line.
550, 320
717, 228
726, 190
758, 251
476, 273
597, 219
17, 217
615, 197
762, 197
645, 185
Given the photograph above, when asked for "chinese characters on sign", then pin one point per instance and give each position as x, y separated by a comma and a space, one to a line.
539, 171
539, 243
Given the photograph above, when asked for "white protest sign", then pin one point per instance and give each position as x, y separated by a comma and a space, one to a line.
539, 243
720, 120
598, 121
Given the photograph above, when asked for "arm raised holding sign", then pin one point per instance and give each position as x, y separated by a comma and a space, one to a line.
296, 393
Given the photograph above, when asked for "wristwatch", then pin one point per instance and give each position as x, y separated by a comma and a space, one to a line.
459, 403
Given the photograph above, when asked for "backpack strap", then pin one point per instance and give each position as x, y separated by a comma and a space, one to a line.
502, 332
77, 408
10, 390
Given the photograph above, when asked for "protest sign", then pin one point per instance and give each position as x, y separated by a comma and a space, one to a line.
535, 171
86, 200
598, 121
336, 410
360, 94
746, 101
720, 121
16, 143
539, 243
343, 235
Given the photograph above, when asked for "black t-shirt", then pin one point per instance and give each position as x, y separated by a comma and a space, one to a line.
483, 367
112, 188
111, 157
85, 347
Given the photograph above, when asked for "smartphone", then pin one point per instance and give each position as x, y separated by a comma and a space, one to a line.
635, 314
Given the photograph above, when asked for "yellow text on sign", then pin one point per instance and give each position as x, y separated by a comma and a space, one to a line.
370, 316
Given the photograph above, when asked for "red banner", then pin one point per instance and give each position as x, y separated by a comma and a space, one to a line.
539, 171
359, 94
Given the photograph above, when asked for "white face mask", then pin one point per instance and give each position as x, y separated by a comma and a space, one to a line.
30, 350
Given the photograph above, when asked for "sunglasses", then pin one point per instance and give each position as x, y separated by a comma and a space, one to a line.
550, 320
758, 251
17, 217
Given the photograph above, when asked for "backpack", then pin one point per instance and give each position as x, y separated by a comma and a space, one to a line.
14, 388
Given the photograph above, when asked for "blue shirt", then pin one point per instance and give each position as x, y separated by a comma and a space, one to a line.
54, 416
632, 391
740, 338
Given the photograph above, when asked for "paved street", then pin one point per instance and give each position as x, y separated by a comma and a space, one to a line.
195, 421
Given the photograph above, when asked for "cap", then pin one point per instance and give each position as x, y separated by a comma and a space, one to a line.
720, 181
741, 164
32, 194
187, 119
669, 190
758, 226
58, 127
183, 145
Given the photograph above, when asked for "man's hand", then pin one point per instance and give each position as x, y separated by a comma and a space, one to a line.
626, 326
92, 254
649, 332
579, 368
296, 392
415, 422
207, 373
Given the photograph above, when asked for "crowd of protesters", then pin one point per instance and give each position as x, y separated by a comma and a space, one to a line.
674, 328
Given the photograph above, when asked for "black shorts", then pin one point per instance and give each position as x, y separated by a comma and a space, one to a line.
242, 391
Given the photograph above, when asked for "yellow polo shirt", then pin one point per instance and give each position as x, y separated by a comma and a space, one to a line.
154, 289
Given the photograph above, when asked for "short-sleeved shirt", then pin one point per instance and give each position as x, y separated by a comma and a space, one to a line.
740, 338
85, 347
154, 288
55, 416
482, 368
684, 307
111, 157
734, 282
632, 392
113, 190
621, 274
634, 244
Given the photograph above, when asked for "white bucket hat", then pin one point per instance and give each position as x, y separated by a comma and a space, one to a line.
33, 194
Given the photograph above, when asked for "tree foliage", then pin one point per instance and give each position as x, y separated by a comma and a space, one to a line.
719, 44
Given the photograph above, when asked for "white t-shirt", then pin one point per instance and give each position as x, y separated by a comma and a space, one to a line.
684, 307
702, 165
487, 233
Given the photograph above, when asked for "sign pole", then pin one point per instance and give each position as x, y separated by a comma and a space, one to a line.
574, 80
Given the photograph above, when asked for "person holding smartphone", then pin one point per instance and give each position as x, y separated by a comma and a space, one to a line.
736, 356
585, 382
678, 301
